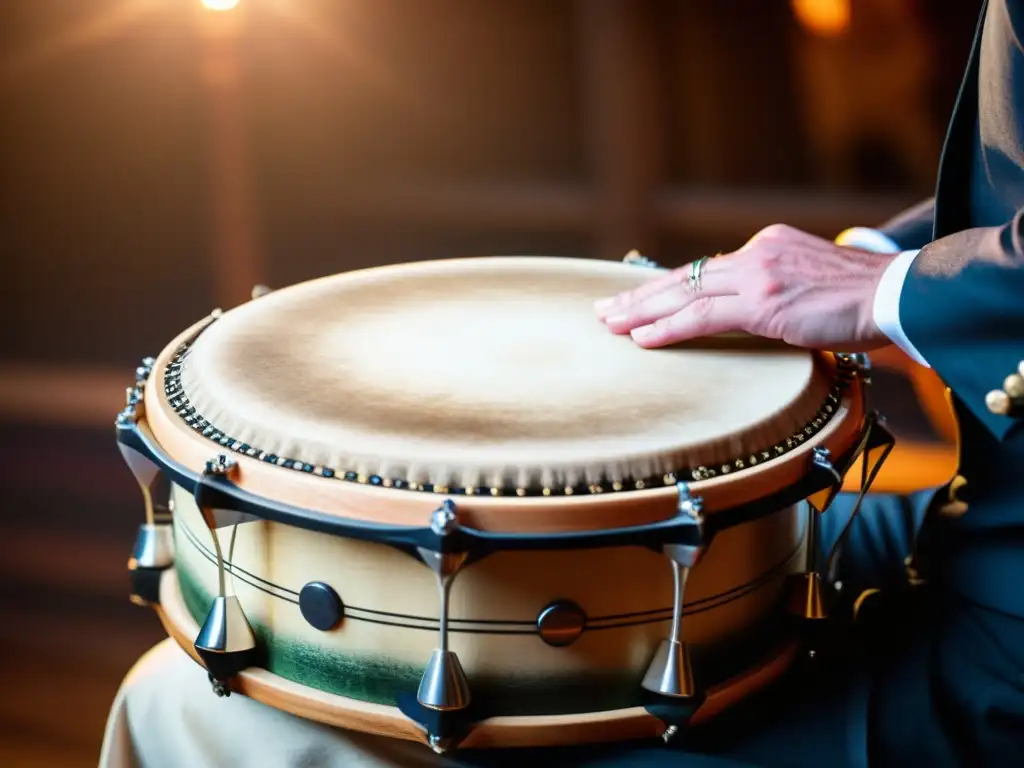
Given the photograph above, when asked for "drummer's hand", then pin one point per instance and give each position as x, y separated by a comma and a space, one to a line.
783, 284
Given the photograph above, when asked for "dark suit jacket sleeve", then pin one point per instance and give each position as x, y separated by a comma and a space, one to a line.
912, 228
962, 307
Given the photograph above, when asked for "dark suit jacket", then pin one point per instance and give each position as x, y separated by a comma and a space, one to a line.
962, 306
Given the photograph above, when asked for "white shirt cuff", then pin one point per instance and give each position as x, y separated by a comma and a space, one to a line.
867, 240
886, 308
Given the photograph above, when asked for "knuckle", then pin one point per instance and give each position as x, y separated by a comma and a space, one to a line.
775, 232
768, 287
768, 262
770, 254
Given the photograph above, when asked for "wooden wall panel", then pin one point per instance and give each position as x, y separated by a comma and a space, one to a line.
102, 227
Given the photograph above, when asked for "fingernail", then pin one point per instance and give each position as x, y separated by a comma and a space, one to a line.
603, 304
642, 333
617, 319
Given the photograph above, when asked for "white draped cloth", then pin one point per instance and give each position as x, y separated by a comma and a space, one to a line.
166, 715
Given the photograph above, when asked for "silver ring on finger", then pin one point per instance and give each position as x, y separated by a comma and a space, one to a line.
696, 272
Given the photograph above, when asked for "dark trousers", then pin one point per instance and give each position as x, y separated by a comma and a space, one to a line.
880, 703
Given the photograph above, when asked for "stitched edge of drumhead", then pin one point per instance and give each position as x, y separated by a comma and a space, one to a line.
188, 414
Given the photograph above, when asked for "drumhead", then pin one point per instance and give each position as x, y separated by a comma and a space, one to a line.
481, 375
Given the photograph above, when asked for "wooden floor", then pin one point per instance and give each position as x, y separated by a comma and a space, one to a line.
68, 633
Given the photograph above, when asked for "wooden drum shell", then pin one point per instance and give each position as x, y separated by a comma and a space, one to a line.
391, 610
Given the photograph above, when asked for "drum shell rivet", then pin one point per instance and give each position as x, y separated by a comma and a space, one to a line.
321, 606
561, 623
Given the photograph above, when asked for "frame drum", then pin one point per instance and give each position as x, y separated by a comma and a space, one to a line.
441, 502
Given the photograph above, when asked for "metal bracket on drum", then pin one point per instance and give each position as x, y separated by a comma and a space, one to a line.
809, 599
851, 365
209, 497
153, 552
225, 642
443, 696
672, 695
874, 448
806, 599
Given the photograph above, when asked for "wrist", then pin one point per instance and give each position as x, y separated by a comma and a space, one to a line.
877, 297
886, 303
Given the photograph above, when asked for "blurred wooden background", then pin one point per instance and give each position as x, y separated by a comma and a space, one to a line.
158, 159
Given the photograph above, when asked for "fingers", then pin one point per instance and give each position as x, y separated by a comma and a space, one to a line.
664, 311
705, 316
668, 301
614, 305
714, 273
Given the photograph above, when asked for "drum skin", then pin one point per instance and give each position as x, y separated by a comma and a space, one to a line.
380, 646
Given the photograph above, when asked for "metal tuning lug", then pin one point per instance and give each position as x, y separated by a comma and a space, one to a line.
873, 451
259, 291
805, 595
153, 552
154, 546
134, 408
636, 259
821, 464
854, 365
806, 599
444, 685
220, 466
670, 672
151, 480
225, 642
822, 459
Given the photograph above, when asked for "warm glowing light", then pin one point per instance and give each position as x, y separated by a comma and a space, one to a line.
823, 17
220, 5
